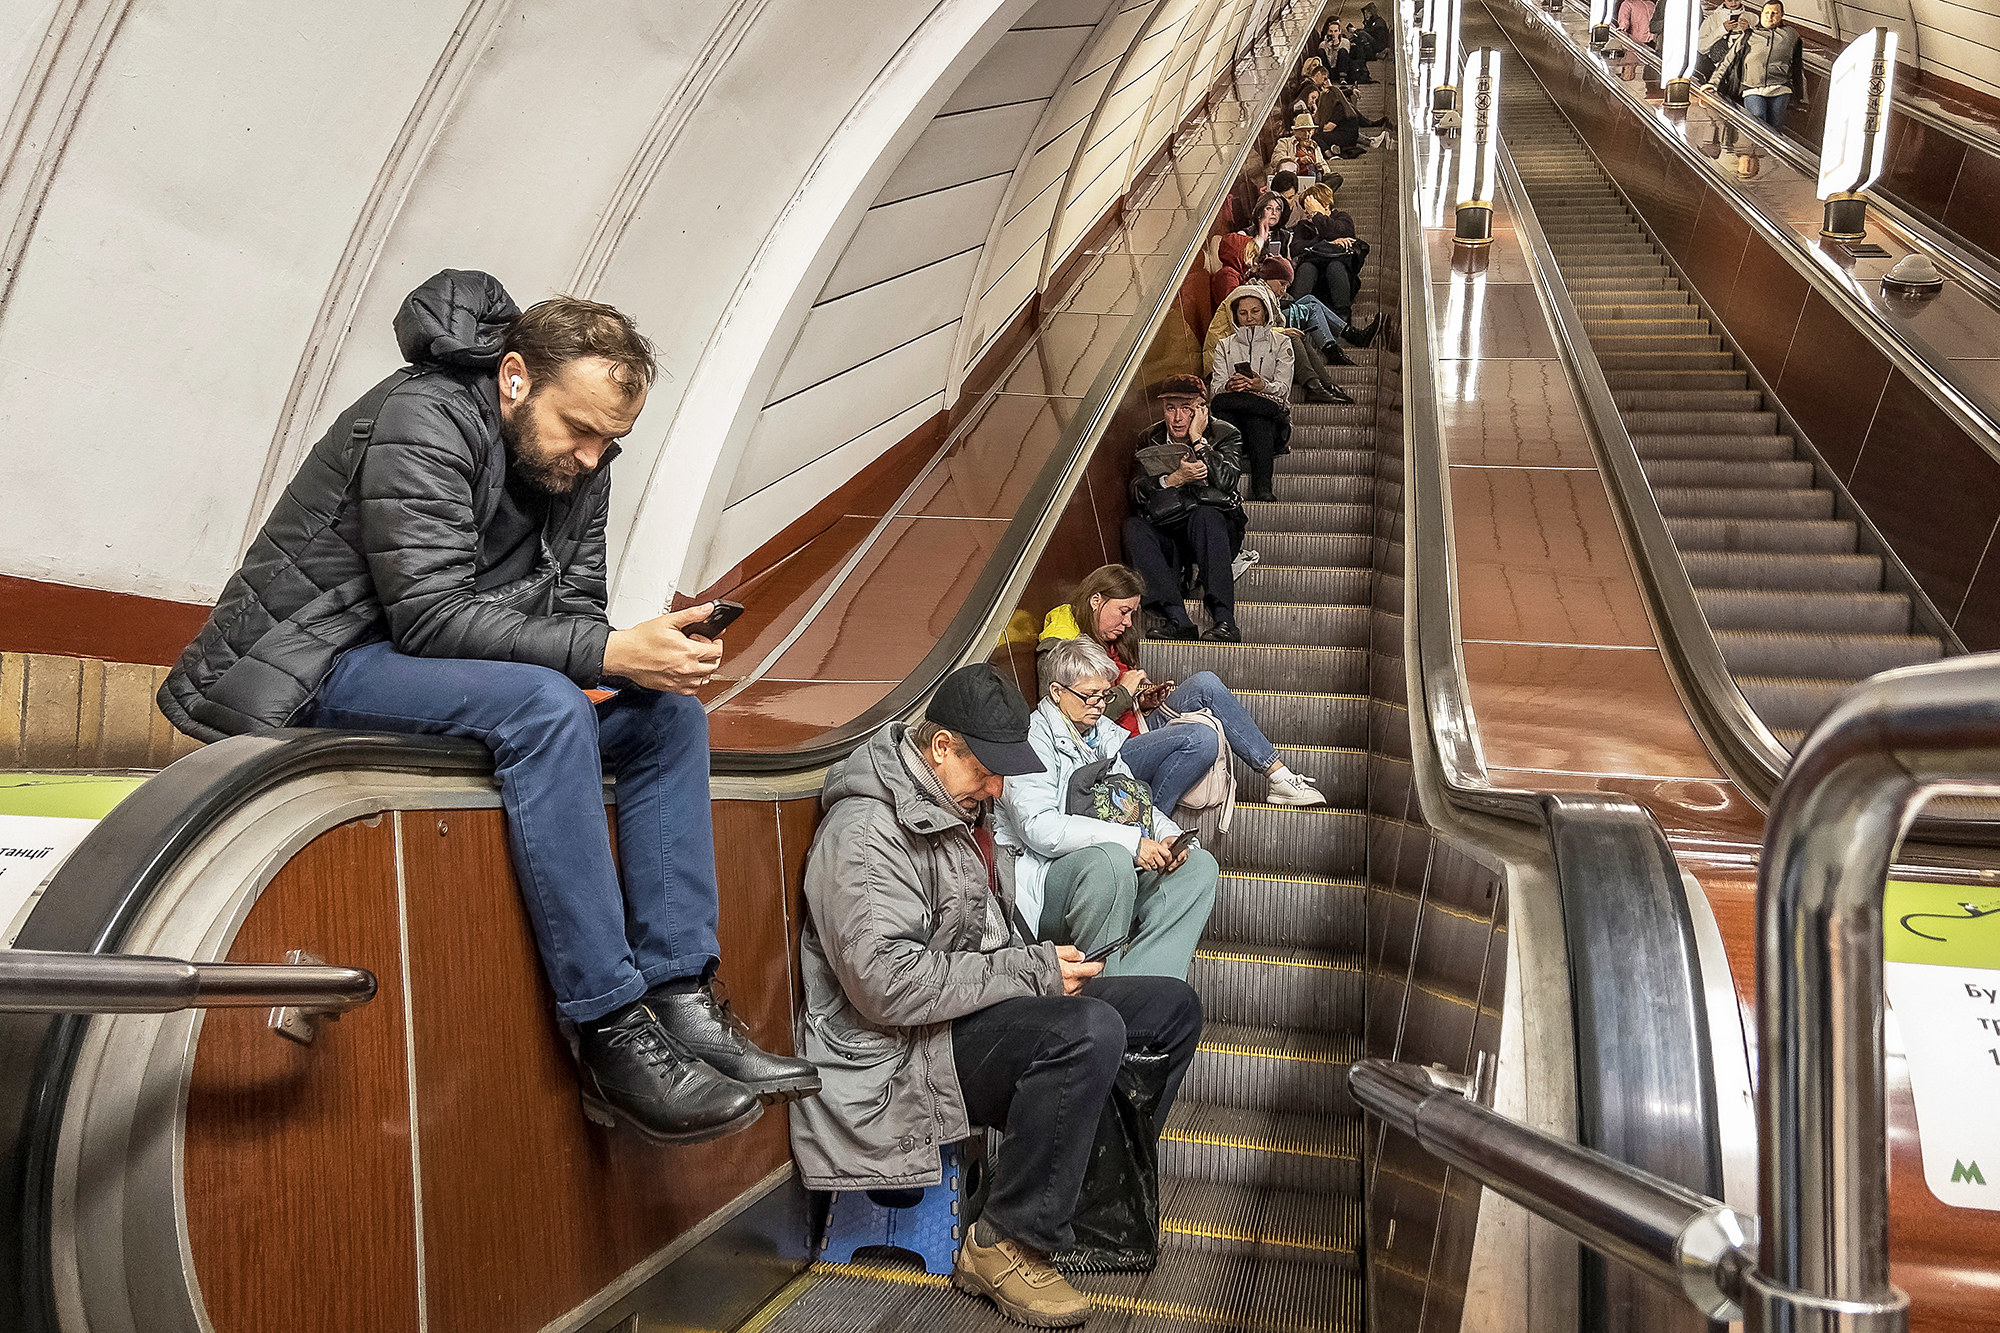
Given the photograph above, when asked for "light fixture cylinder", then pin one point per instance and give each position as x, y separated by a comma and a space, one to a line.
1478, 146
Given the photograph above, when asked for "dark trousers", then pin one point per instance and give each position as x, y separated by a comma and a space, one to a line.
1040, 1067
603, 945
1159, 554
1332, 281
1267, 431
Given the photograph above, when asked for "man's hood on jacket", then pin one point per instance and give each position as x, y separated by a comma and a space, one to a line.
1262, 293
876, 772
456, 319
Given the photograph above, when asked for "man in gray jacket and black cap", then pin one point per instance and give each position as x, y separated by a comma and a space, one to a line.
929, 1011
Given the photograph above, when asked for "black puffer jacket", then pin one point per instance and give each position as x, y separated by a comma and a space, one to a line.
378, 537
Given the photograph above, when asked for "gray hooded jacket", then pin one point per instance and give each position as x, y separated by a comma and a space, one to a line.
896, 905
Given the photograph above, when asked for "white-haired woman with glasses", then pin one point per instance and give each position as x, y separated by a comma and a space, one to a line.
1108, 873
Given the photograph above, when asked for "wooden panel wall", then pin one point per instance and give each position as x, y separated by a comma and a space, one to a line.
302, 1204
300, 1193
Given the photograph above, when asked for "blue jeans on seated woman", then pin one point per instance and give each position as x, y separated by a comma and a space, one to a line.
1770, 110
1205, 690
1170, 760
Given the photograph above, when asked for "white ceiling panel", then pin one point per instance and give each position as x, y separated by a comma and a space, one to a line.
895, 238
1065, 13
845, 333
964, 147
1962, 21
808, 424
1023, 66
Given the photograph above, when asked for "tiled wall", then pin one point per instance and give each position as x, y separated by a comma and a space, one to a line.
1436, 947
79, 712
1931, 489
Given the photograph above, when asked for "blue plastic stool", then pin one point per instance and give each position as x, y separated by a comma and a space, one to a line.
928, 1230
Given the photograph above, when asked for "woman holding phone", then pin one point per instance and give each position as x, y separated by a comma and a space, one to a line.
1094, 857
1106, 606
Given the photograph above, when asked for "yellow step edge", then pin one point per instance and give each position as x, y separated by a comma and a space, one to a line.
1247, 1237
1220, 957
1233, 1049
1170, 1310
1251, 1145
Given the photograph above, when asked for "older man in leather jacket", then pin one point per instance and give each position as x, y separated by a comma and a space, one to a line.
1186, 510
437, 566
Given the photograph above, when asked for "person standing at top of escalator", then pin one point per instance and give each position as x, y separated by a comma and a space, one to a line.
437, 567
1755, 66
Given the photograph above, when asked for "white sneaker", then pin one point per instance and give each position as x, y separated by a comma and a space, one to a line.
1243, 561
1289, 788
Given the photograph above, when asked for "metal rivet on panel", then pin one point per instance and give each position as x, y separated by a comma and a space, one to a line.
443, 828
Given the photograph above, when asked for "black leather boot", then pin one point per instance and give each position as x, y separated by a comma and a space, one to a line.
705, 1026
635, 1075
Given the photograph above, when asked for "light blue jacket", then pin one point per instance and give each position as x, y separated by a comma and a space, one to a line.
1030, 820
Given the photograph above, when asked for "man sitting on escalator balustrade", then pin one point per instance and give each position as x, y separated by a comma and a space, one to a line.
437, 567
930, 1009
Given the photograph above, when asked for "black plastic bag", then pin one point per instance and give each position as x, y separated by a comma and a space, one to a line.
1118, 1214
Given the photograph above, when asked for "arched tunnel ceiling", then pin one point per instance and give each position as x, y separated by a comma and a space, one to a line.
820, 215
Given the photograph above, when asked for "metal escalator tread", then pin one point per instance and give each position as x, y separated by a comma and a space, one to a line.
1798, 609
1260, 1209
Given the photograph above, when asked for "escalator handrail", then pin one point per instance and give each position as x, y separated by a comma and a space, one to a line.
1966, 413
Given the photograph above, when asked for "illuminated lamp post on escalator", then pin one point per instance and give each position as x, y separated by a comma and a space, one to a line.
1600, 23
1444, 95
1856, 143
1427, 38
1679, 48
1478, 147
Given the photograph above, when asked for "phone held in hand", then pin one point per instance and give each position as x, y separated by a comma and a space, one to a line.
721, 618
1104, 951
1243, 367
1184, 842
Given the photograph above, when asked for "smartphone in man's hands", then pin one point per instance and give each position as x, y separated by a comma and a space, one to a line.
721, 618
1104, 951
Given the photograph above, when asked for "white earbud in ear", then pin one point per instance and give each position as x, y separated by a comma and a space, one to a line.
513, 386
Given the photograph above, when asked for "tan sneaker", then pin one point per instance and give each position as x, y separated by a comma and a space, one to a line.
1025, 1286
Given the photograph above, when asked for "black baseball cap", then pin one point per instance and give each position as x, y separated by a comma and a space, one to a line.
974, 702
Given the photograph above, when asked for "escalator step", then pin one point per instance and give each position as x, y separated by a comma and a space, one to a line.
1774, 571
1791, 702
1800, 536
1294, 624
1293, 583
1284, 667
1806, 612
1302, 718
1309, 840
1327, 459
1261, 1149
1689, 400
1270, 1224
1648, 422
1289, 911
1732, 448
1340, 774
1323, 488
1743, 502
1846, 656
1301, 1072
1280, 516
1324, 549
1263, 986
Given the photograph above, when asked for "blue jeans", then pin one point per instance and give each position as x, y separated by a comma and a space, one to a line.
1770, 110
602, 946
1311, 314
1169, 760
1204, 690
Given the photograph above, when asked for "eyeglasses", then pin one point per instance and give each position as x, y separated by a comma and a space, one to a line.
1096, 699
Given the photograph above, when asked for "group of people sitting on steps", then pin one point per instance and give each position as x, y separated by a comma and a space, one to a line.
1001, 902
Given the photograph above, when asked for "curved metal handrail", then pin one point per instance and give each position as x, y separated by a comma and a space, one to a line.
33, 982
1942, 390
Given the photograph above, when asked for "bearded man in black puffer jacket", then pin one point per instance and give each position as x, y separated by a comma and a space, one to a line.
437, 566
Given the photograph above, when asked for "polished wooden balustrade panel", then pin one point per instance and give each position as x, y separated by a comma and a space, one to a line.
302, 1211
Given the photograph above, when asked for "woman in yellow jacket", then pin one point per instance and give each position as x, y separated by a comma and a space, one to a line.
1108, 601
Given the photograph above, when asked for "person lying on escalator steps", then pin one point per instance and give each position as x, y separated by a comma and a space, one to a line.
930, 1009
1103, 607
1094, 865
437, 567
